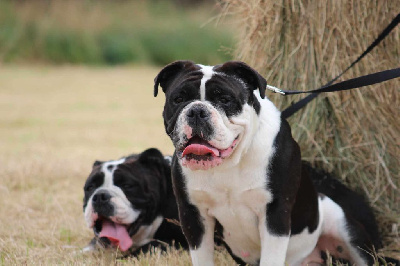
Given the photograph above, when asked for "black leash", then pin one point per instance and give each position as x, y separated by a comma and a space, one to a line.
348, 84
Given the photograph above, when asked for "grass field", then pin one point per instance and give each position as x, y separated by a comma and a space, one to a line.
54, 122
111, 32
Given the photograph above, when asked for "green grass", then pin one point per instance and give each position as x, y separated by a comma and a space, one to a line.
111, 33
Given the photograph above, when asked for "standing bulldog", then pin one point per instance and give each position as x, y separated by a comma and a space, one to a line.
237, 170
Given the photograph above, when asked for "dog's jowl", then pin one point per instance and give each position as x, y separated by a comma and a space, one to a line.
237, 170
128, 201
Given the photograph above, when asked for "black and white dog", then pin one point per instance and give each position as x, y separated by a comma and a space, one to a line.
237, 170
128, 203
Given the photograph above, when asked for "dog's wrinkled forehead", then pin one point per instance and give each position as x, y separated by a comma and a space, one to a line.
195, 76
175, 74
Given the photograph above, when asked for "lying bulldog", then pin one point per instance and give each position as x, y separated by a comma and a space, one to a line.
130, 204
237, 170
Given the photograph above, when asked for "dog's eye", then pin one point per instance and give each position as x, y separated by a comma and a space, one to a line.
224, 100
178, 99
128, 186
89, 188
217, 92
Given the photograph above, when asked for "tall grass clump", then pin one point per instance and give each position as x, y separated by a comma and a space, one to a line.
110, 32
303, 45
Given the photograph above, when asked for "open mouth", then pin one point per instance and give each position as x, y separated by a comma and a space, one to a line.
199, 154
116, 233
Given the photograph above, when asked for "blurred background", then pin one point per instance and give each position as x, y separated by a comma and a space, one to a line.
112, 32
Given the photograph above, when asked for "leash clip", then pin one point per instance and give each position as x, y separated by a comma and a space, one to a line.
275, 89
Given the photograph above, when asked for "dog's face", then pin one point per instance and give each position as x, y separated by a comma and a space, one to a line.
120, 196
209, 111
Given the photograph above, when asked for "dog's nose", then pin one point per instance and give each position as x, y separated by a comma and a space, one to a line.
197, 113
101, 197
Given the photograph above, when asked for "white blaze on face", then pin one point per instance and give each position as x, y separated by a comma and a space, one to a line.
227, 131
123, 209
207, 75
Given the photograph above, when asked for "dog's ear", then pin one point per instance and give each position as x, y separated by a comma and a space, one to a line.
96, 163
151, 155
246, 73
154, 160
168, 73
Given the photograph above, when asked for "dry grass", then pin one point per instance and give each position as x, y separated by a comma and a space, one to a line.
54, 122
304, 44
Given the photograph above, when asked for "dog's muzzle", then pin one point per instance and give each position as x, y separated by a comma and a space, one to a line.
106, 224
198, 119
102, 205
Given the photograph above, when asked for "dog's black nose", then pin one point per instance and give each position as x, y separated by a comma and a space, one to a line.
102, 205
101, 197
197, 113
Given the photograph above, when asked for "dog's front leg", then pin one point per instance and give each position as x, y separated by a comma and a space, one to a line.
203, 254
198, 228
274, 235
197, 225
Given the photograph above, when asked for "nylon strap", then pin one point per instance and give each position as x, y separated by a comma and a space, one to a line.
349, 84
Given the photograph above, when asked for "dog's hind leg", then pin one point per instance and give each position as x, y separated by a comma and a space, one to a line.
343, 237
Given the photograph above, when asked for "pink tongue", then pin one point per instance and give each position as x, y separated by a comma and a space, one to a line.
200, 149
117, 234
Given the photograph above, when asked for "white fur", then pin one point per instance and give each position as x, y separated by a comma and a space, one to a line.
203, 255
168, 159
145, 234
124, 212
301, 245
273, 248
335, 224
207, 74
234, 191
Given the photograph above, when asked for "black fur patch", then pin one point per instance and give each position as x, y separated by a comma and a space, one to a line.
295, 204
189, 215
145, 180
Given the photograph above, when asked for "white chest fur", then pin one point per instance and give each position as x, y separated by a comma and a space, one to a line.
236, 198
235, 193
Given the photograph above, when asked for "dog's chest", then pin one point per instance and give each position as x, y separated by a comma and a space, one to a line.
236, 198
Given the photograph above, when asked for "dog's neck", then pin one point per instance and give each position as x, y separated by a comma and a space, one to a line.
261, 142
255, 141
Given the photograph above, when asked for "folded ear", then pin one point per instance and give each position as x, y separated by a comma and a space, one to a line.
152, 157
246, 73
168, 73
96, 163
154, 160
151, 154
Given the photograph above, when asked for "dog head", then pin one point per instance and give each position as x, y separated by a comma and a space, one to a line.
209, 111
123, 195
